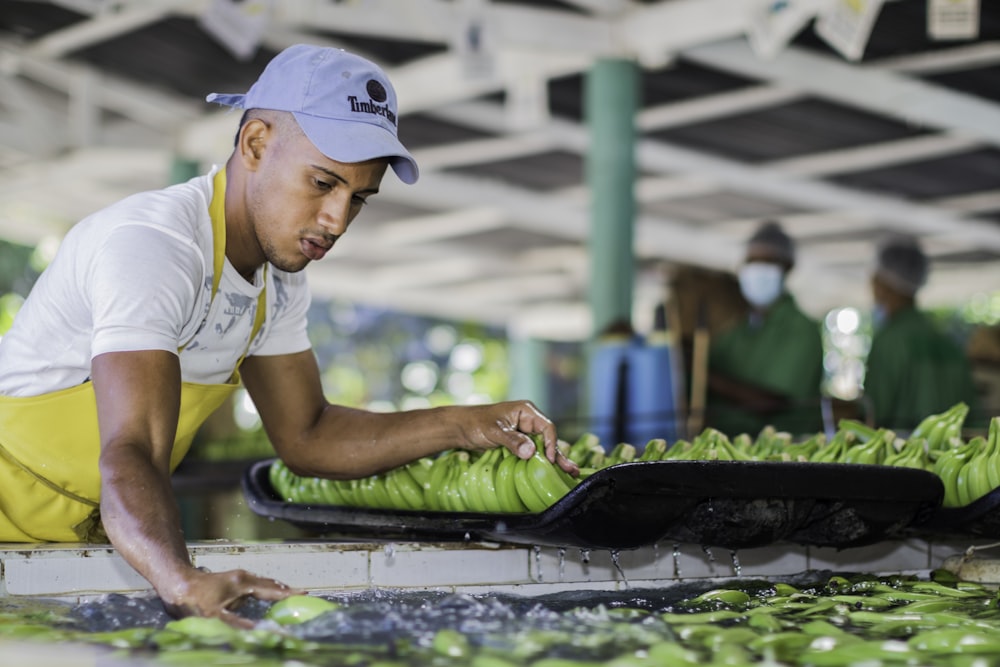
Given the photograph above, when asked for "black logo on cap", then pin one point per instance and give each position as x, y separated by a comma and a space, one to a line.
376, 91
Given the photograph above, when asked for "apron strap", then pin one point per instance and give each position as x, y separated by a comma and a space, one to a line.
217, 212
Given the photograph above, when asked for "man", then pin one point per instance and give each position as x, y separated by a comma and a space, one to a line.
158, 306
913, 368
767, 369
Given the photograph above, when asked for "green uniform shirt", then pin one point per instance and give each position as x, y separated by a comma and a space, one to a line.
781, 352
914, 370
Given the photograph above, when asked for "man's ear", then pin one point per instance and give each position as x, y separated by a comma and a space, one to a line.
252, 140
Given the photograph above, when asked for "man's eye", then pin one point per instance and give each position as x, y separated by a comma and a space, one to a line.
322, 185
359, 201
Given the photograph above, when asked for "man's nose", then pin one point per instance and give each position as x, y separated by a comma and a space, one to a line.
334, 215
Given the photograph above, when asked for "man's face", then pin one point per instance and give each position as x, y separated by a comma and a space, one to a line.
300, 201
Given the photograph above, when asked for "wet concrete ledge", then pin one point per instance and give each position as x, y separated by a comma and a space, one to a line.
78, 571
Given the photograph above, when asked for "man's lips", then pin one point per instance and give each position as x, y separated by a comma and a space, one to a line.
315, 249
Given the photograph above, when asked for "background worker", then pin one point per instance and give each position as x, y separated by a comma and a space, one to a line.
913, 368
156, 307
767, 369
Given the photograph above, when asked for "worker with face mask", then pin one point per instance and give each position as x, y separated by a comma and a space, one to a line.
913, 369
767, 369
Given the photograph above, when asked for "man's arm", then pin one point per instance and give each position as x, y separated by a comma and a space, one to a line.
314, 437
138, 398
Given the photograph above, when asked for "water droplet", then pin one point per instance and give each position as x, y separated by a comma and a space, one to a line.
737, 568
538, 562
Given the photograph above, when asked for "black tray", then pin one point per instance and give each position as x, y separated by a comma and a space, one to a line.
732, 504
980, 518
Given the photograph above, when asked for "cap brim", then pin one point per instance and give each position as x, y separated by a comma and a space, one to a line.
229, 99
350, 141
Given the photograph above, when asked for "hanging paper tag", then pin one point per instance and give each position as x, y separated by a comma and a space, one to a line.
473, 40
238, 25
774, 23
953, 19
846, 25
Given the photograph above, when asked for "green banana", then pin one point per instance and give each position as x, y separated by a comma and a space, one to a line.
992, 463
373, 492
654, 450
910, 453
329, 492
525, 487
434, 488
506, 488
678, 451
549, 480
976, 471
951, 464
623, 452
420, 470
452, 491
403, 490
946, 641
280, 478
834, 451
581, 450
488, 479
409, 487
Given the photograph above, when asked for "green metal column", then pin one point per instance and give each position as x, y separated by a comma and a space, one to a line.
183, 170
611, 99
528, 371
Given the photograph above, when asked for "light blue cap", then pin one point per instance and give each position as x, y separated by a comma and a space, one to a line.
344, 104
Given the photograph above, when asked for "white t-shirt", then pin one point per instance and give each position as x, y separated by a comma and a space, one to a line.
137, 275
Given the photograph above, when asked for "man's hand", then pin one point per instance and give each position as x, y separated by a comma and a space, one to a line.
221, 594
511, 425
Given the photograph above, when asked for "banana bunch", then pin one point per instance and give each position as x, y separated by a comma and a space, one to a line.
770, 444
971, 470
709, 445
940, 429
872, 451
588, 453
495, 481
909, 453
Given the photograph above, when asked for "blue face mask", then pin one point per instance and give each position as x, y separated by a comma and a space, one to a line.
879, 316
761, 283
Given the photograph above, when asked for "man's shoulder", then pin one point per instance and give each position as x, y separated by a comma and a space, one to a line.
181, 209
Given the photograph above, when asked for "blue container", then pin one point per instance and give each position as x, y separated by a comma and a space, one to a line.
634, 394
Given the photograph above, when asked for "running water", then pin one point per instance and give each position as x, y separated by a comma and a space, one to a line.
585, 556
737, 568
390, 553
562, 563
711, 558
538, 562
616, 561
677, 561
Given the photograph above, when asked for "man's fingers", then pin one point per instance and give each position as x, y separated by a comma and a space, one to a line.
235, 620
566, 464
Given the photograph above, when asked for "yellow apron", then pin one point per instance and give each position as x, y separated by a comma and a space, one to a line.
50, 483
